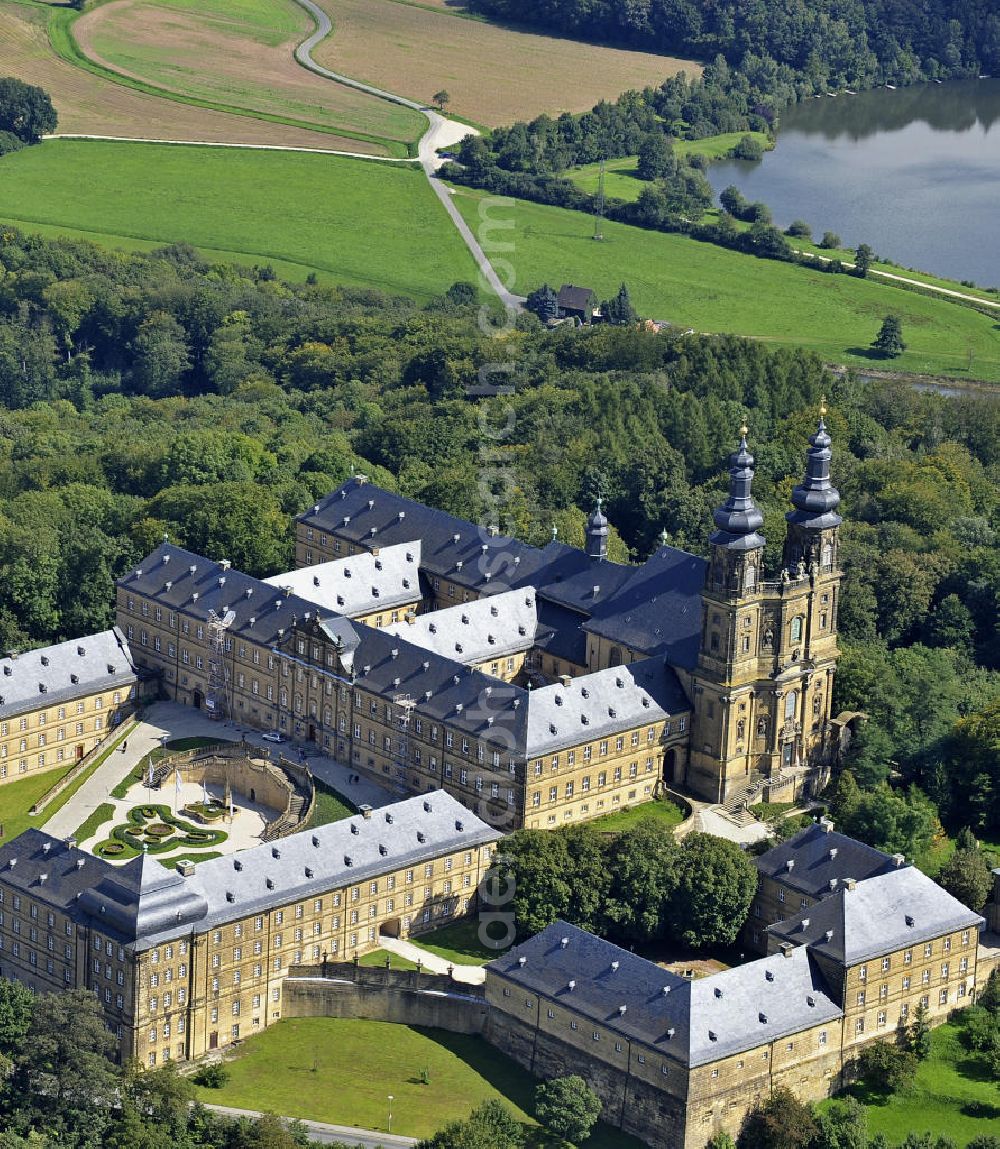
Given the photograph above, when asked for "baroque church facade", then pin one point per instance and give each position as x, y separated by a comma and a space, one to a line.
537, 685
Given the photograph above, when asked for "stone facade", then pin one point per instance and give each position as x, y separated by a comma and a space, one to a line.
185, 963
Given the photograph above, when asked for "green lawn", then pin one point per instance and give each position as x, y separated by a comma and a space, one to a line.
17, 798
376, 959
356, 222
621, 180
458, 943
329, 806
711, 289
662, 809
342, 1071
952, 1095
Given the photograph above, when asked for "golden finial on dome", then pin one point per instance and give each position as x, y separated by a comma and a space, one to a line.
822, 407
744, 430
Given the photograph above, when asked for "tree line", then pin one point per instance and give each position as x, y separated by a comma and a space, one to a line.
831, 43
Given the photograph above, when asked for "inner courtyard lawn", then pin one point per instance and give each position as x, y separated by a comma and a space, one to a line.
355, 222
458, 943
342, 1071
662, 810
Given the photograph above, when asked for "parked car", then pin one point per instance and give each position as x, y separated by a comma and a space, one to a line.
274, 736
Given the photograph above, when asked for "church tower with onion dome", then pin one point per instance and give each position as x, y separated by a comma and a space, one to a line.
762, 688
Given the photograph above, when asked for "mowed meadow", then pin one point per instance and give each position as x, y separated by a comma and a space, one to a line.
711, 289
89, 104
237, 54
356, 222
494, 75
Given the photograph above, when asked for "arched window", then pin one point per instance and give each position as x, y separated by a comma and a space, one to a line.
751, 578
790, 699
797, 629
826, 556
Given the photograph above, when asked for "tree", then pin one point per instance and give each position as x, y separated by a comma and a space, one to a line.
918, 1034
568, 1107
842, 1125
619, 311
749, 148
656, 157
716, 883
544, 303
780, 1122
889, 341
967, 876
830, 241
489, 1126
799, 229
16, 1007
733, 201
442, 99
25, 110
64, 1072
863, 260
721, 1141
886, 1068
642, 863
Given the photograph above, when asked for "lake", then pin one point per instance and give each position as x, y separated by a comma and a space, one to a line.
914, 173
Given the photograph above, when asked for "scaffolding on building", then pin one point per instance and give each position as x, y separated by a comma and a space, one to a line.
217, 701
403, 712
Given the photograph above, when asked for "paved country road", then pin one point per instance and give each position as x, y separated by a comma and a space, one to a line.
440, 133
326, 1134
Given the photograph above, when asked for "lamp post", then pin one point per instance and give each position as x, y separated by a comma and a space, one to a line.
389, 1126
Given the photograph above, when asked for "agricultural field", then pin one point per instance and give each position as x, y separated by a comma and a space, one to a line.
91, 105
494, 74
237, 55
711, 289
356, 222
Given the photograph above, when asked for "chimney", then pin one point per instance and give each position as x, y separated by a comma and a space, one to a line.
786, 949
826, 825
850, 883
366, 812
566, 679
225, 564
899, 859
185, 868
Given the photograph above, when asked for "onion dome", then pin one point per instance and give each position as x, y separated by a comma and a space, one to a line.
739, 518
816, 499
597, 534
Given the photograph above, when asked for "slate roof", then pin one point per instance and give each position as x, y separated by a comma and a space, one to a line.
693, 1021
602, 703
65, 671
475, 631
143, 903
67, 871
193, 585
822, 859
884, 913
359, 584
340, 853
452, 548
658, 610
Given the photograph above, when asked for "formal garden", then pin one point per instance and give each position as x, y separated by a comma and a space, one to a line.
155, 829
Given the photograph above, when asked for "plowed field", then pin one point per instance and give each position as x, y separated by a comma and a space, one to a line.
494, 75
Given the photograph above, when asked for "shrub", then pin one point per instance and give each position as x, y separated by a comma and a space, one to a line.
211, 1076
886, 1068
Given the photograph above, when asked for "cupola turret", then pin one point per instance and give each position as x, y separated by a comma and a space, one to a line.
597, 534
813, 521
739, 518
